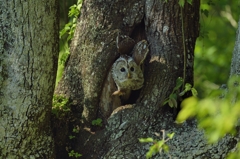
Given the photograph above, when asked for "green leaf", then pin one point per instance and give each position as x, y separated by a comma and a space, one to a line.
170, 135
97, 122
194, 92
165, 102
179, 83
75, 130
189, 1
205, 12
71, 137
173, 96
160, 144
152, 150
188, 110
216, 93
172, 103
73, 11
206, 122
71, 153
143, 140
182, 93
210, 2
149, 154
206, 107
66, 29
214, 137
165, 148
77, 155
181, 3
188, 87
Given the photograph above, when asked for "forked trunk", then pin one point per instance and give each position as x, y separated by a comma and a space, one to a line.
170, 31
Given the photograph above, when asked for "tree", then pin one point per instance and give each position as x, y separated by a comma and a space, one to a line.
171, 31
236, 55
29, 52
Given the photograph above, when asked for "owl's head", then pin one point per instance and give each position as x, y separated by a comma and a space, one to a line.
125, 68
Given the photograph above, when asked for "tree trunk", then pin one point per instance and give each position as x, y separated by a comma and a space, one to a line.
169, 31
235, 64
28, 63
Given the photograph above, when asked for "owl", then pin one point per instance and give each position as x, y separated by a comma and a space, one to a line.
127, 70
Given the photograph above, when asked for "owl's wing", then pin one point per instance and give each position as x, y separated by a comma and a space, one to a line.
140, 52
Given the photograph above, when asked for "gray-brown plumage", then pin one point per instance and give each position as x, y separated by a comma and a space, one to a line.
127, 72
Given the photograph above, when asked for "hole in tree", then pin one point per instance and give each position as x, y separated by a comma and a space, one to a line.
137, 34
133, 97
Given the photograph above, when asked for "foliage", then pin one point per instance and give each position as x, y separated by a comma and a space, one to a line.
66, 35
97, 122
71, 25
176, 93
63, 11
74, 154
71, 137
217, 114
76, 129
212, 64
158, 145
182, 2
213, 50
60, 106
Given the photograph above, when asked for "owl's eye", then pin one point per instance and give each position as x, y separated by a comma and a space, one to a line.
122, 69
132, 69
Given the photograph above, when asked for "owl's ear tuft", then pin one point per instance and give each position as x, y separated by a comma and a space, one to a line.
140, 52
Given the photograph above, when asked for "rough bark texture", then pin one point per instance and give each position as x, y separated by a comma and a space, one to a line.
87, 72
28, 63
235, 64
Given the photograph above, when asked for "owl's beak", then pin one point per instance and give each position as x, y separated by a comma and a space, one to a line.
129, 76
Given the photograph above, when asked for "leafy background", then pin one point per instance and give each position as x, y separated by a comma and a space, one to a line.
214, 47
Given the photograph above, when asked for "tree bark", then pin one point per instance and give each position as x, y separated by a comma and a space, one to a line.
169, 31
235, 64
28, 63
